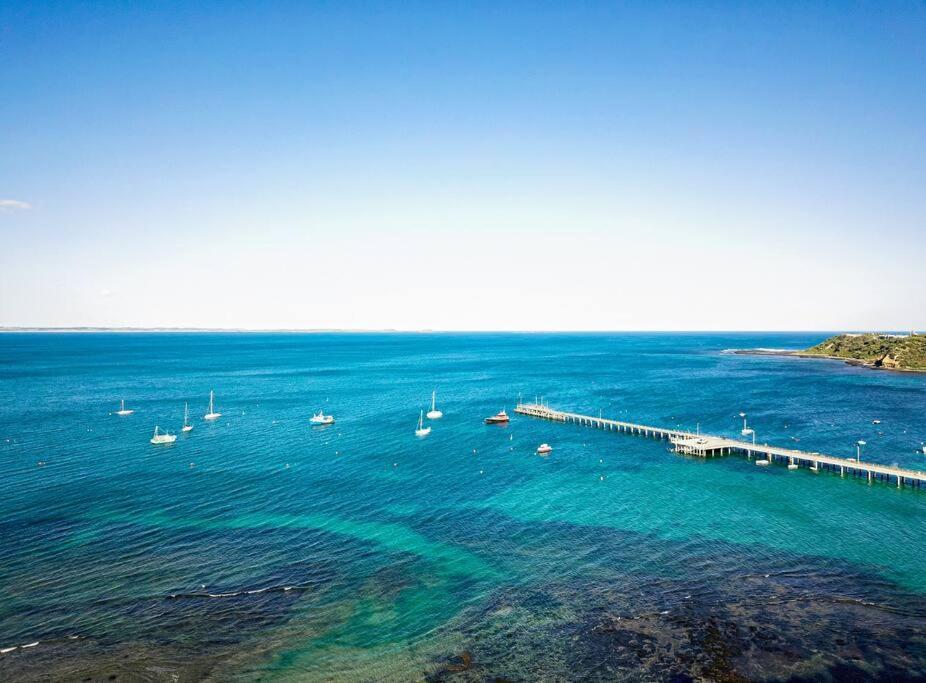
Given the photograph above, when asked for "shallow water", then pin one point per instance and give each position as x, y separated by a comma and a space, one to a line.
261, 547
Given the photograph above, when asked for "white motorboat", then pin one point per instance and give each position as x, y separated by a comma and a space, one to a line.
422, 430
212, 415
320, 418
123, 410
166, 437
434, 413
544, 448
187, 427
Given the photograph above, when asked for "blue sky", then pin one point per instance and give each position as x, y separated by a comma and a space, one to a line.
464, 165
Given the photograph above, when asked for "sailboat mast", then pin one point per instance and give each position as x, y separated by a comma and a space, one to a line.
433, 399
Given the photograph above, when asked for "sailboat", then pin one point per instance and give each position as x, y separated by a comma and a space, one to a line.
422, 430
166, 437
212, 415
187, 427
122, 410
434, 413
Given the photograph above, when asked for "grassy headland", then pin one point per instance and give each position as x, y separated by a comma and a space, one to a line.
891, 352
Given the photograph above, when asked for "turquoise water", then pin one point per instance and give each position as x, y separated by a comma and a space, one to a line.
259, 546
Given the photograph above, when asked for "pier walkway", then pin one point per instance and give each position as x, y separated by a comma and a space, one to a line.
706, 446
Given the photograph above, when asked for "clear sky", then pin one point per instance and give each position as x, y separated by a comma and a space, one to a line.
542, 165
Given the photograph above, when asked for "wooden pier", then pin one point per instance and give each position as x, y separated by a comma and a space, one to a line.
704, 445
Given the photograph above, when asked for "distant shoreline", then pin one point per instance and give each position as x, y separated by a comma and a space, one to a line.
816, 356
91, 330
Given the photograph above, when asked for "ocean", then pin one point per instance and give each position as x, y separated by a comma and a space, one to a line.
259, 547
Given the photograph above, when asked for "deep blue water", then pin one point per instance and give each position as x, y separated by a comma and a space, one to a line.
258, 546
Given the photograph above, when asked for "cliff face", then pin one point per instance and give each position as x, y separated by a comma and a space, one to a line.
878, 350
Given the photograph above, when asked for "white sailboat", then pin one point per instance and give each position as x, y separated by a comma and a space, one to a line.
166, 437
212, 415
422, 430
122, 409
434, 413
187, 427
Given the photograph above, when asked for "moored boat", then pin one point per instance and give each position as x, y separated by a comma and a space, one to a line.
212, 415
422, 430
320, 418
166, 437
434, 413
500, 417
123, 410
544, 448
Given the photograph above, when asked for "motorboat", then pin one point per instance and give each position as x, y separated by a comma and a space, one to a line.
321, 419
544, 448
501, 417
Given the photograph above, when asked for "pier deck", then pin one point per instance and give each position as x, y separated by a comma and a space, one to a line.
705, 445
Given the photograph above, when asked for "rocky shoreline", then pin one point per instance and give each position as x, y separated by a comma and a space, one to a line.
816, 356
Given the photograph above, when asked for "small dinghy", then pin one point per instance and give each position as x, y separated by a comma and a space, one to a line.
544, 448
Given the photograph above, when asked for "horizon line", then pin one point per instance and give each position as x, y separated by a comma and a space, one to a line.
361, 330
